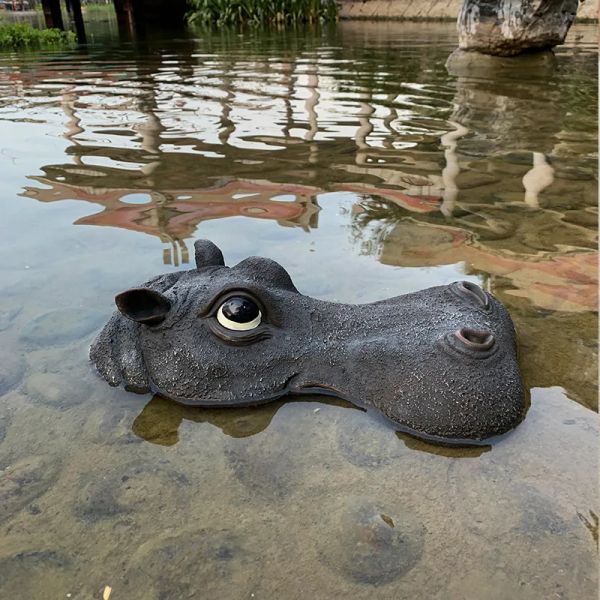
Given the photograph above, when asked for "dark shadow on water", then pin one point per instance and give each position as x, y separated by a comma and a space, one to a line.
449, 451
159, 421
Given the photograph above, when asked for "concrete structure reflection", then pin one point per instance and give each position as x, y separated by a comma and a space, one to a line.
100, 171
173, 215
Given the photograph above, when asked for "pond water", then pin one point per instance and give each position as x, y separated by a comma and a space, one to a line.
355, 159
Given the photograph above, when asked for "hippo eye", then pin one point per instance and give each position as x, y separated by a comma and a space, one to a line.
239, 314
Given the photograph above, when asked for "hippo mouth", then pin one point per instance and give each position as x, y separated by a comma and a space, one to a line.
319, 389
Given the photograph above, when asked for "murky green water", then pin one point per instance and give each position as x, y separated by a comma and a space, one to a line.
354, 159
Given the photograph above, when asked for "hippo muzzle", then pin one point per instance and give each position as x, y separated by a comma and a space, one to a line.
440, 363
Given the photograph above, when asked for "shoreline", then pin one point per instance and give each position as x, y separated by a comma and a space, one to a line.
426, 10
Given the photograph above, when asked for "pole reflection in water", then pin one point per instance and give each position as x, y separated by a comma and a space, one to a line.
537, 179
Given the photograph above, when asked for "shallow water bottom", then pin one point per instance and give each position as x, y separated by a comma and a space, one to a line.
298, 499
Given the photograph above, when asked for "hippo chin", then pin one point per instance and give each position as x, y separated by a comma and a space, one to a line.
440, 363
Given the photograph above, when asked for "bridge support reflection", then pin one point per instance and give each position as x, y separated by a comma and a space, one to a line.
53, 16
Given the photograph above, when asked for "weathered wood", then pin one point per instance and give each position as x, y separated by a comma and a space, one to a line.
52, 14
510, 27
124, 10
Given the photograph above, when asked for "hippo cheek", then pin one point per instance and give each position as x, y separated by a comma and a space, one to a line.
460, 387
227, 376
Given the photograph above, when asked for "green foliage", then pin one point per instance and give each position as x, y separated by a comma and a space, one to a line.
93, 8
261, 12
23, 35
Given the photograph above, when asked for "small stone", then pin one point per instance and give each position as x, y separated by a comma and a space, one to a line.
370, 544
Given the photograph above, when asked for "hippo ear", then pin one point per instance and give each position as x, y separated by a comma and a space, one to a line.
143, 305
208, 254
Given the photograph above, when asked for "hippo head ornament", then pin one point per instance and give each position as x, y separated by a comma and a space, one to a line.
440, 363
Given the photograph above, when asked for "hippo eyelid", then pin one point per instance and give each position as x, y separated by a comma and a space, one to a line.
212, 306
233, 336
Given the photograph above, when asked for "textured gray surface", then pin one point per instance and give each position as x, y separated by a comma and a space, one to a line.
510, 27
401, 356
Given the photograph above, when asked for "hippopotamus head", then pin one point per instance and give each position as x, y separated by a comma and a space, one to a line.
440, 363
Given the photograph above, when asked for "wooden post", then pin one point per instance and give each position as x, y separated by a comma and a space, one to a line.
52, 14
78, 19
125, 18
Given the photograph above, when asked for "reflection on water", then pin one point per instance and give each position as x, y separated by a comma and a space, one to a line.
450, 451
160, 420
356, 160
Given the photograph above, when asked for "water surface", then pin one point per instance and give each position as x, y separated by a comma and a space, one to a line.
356, 160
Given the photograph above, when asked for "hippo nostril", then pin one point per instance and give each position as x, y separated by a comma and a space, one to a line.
474, 339
473, 292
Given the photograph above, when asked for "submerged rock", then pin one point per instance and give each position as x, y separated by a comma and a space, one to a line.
367, 444
209, 563
111, 425
12, 369
59, 327
511, 27
129, 489
35, 574
57, 391
369, 543
7, 316
23, 482
258, 463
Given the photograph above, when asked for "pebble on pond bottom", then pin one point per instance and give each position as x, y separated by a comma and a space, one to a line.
370, 544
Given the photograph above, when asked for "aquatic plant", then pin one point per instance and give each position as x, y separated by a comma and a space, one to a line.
261, 12
24, 35
95, 8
